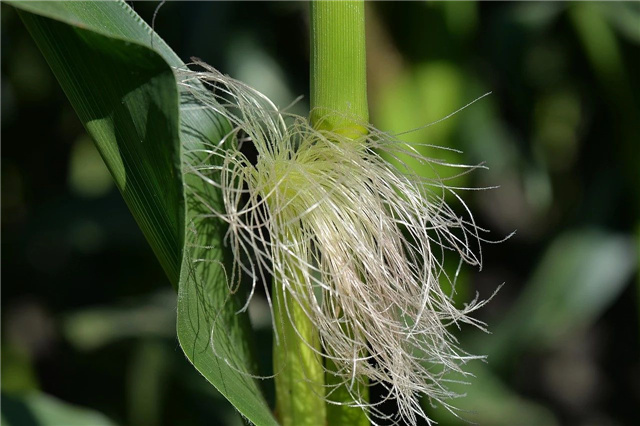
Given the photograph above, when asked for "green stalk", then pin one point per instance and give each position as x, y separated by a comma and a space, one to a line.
338, 67
339, 104
297, 364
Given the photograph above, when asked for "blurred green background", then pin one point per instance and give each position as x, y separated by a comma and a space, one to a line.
88, 333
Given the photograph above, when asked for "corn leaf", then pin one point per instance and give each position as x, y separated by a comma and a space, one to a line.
131, 114
118, 75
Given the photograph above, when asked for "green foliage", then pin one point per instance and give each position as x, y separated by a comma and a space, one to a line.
581, 273
125, 95
117, 74
576, 279
38, 409
559, 134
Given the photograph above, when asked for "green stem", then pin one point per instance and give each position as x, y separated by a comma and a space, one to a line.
298, 368
338, 67
339, 104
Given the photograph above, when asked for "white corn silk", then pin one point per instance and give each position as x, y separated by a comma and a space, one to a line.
356, 241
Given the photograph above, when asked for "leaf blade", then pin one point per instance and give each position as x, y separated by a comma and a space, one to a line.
118, 106
77, 38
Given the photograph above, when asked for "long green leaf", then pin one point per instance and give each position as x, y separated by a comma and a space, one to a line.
131, 114
117, 74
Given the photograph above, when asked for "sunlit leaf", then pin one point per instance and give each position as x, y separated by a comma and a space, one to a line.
118, 76
125, 95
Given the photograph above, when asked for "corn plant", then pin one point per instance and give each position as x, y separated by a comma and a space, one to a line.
346, 238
